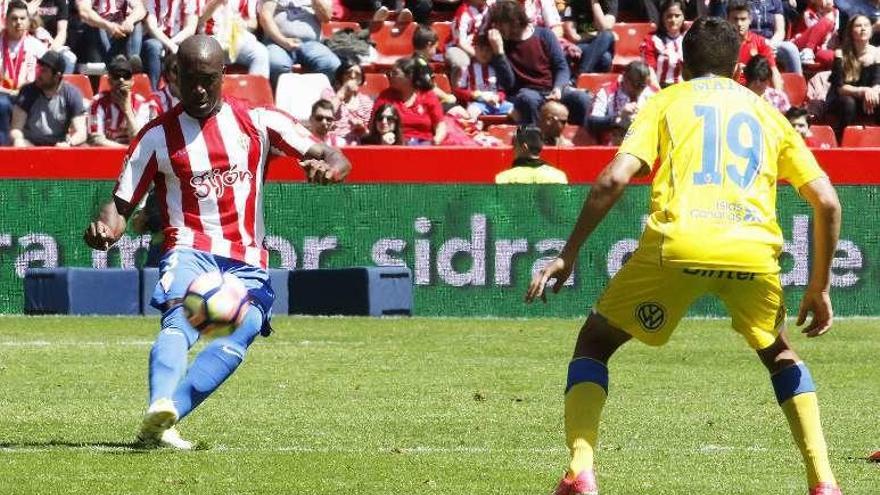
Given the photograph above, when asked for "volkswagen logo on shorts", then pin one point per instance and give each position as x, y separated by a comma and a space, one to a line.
651, 315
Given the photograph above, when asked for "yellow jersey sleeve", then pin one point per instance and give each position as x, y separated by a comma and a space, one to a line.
797, 165
642, 139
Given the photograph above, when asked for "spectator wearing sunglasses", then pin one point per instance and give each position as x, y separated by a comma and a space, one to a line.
322, 122
116, 115
385, 127
49, 111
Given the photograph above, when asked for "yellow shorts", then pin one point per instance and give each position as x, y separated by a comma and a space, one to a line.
647, 300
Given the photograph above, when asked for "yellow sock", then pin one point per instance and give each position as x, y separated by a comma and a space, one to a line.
802, 412
583, 408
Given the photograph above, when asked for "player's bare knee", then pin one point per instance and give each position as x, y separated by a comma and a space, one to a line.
598, 339
778, 356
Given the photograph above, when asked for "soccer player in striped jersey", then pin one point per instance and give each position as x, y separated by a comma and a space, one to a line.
206, 158
711, 229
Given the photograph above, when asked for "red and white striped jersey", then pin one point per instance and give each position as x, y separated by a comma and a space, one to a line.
18, 60
665, 56
105, 116
113, 10
542, 13
209, 175
467, 22
164, 99
478, 77
170, 14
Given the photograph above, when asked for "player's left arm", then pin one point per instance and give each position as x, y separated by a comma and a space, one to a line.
325, 164
826, 231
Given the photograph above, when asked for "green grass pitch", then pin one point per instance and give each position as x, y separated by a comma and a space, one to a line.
428, 406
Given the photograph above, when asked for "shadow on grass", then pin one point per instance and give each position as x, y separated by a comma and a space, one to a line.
105, 447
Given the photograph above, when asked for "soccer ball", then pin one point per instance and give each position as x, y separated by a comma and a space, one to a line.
215, 303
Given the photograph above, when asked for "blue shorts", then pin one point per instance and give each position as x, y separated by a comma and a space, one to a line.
180, 266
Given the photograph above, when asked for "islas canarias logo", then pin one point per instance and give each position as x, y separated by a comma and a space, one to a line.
217, 180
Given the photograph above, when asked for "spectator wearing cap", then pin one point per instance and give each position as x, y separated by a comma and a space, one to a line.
233, 24
116, 115
53, 16
617, 103
168, 22
49, 111
19, 53
757, 74
113, 27
292, 33
530, 65
528, 167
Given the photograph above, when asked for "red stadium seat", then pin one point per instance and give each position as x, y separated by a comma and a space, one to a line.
856, 136
578, 135
374, 83
82, 83
795, 88
593, 82
495, 119
442, 81
140, 84
503, 132
824, 135
629, 40
249, 87
444, 34
393, 42
328, 28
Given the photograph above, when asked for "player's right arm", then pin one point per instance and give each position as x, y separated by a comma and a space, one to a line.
826, 231
138, 171
603, 195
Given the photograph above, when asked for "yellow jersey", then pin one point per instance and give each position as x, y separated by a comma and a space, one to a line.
719, 150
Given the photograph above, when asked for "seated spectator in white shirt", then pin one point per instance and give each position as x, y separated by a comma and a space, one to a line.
19, 52
168, 95
617, 103
117, 115
233, 24
168, 22
49, 111
321, 123
113, 27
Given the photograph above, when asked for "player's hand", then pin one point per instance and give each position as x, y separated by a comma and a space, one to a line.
817, 303
557, 270
318, 171
98, 236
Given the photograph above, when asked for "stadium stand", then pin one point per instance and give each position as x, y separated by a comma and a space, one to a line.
249, 87
374, 83
629, 37
328, 28
442, 81
857, 136
578, 135
593, 81
503, 132
444, 34
393, 42
795, 88
824, 135
82, 83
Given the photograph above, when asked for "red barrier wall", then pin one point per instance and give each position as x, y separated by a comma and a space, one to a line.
403, 164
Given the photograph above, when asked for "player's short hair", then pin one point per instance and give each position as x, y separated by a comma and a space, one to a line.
758, 69
738, 5
796, 113
323, 105
424, 36
711, 46
15, 5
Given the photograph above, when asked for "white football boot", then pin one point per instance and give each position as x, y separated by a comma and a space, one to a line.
159, 418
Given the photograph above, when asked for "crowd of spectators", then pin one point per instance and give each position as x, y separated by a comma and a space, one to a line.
509, 62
